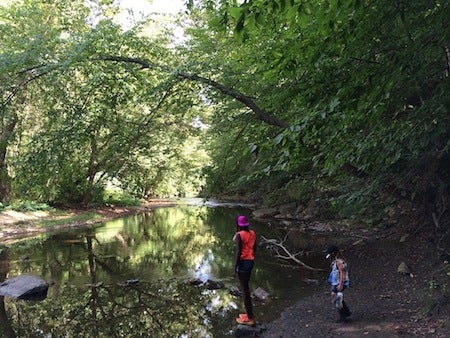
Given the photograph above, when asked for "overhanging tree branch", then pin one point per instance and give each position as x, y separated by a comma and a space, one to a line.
244, 99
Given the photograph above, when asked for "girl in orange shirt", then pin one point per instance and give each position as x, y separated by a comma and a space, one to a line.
245, 240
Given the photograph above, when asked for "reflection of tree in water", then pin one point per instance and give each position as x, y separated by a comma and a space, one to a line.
157, 309
166, 242
5, 325
141, 310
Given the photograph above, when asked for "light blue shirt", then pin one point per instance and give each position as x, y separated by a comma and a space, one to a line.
333, 278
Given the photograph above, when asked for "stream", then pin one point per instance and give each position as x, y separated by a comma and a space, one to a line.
133, 276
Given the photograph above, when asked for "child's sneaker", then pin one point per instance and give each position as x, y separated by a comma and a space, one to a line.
243, 316
244, 320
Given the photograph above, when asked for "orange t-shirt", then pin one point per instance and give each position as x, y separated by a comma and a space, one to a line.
248, 239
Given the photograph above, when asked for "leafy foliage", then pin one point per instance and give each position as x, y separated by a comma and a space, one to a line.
28, 206
348, 95
362, 86
74, 120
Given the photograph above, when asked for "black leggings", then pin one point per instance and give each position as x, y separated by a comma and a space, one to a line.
244, 278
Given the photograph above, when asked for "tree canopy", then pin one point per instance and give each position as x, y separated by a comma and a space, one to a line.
362, 87
339, 102
75, 120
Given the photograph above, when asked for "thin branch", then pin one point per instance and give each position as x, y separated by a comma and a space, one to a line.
285, 253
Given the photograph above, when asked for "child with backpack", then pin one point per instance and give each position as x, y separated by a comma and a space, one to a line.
339, 280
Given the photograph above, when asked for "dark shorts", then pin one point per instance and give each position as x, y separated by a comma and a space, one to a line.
245, 266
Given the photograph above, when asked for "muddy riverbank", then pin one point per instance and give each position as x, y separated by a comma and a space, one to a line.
384, 302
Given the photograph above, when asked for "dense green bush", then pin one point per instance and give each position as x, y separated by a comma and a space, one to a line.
25, 206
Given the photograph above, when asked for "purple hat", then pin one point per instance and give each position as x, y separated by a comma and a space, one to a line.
242, 221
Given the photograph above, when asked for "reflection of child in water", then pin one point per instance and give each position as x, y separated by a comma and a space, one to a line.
245, 240
339, 280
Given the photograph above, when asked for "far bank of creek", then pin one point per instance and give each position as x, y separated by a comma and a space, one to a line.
134, 276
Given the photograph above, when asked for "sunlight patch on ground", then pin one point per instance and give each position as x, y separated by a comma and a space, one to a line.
385, 328
11, 216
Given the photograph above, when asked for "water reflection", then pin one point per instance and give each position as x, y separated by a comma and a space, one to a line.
94, 274
6, 329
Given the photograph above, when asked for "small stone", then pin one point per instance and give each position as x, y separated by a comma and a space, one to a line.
213, 285
235, 291
404, 269
404, 238
94, 285
132, 281
250, 331
195, 281
311, 281
260, 294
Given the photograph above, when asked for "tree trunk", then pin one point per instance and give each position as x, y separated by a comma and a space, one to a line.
87, 197
5, 180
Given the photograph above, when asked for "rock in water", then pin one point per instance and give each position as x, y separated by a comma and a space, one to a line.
24, 287
249, 331
260, 294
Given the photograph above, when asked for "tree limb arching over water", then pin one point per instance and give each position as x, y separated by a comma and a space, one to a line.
244, 99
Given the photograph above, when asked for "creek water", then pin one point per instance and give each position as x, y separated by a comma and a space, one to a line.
131, 277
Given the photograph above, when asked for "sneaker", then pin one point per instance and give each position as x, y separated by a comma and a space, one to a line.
245, 321
243, 316
345, 312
